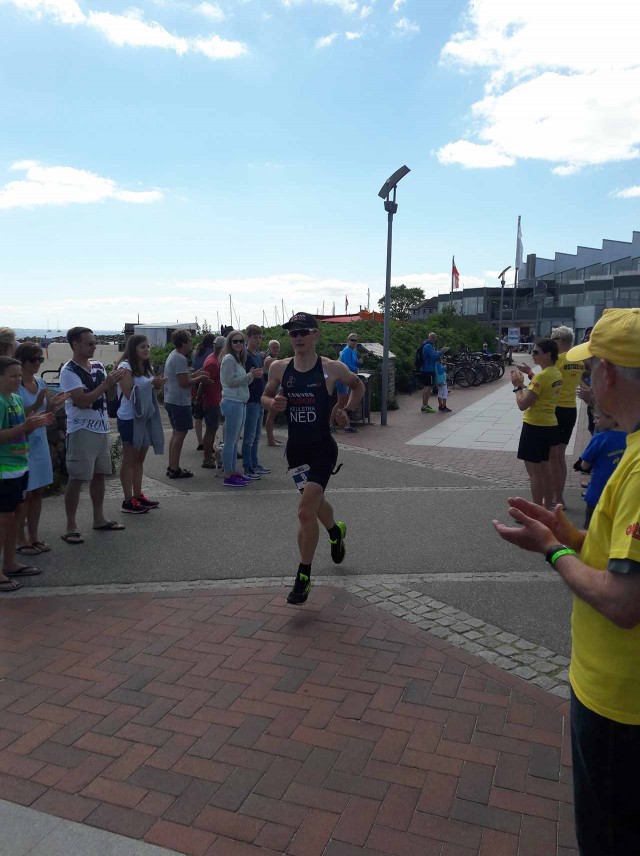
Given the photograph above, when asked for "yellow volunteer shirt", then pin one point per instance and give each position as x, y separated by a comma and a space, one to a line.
546, 385
571, 375
605, 660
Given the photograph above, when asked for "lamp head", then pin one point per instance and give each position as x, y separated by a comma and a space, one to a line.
392, 181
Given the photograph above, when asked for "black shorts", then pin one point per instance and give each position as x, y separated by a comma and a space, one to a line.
566, 417
197, 410
535, 442
125, 430
321, 459
428, 378
180, 417
12, 493
211, 417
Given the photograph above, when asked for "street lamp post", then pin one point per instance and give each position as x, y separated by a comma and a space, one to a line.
502, 281
391, 207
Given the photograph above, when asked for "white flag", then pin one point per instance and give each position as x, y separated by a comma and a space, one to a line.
519, 247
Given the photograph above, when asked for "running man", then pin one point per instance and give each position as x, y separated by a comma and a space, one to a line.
303, 386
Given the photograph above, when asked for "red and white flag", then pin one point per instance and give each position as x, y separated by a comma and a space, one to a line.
455, 276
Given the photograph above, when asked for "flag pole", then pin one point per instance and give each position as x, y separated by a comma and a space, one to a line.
516, 272
453, 264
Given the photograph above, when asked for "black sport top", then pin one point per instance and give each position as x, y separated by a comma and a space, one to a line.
308, 404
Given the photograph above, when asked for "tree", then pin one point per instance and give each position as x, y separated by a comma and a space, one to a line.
401, 301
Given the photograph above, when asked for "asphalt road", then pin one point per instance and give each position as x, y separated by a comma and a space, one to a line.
402, 518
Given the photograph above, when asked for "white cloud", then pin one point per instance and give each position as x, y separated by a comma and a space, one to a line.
131, 30
395, 6
628, 192
565, 94
325, 41
65, 185
350, 37
437, 283
365, 11
62, 11
346, 6
210, 10
405, 26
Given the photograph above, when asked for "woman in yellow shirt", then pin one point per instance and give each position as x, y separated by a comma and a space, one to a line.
539, 428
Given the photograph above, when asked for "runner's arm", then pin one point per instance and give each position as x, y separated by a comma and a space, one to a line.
273, 383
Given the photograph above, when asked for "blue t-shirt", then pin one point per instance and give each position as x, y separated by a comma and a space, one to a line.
349, 356
429, 357
603, 453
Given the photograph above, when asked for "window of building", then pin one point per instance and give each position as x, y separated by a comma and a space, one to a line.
470, 305
568, 300
594, 298
621, 265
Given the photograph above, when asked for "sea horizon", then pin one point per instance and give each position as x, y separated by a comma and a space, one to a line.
22, 332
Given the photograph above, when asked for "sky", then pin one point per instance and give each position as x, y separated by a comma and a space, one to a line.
156, 158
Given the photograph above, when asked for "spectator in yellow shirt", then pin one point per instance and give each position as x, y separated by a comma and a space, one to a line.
602, 569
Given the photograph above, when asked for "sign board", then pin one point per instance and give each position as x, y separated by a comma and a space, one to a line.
513, 336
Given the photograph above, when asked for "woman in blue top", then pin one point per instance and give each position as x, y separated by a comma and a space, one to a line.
348, 356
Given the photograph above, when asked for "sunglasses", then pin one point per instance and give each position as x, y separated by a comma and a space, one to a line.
355, 341
535, 353
293, 334
237, 341
35, 360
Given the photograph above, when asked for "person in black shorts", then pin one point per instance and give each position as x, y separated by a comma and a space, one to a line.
302, 387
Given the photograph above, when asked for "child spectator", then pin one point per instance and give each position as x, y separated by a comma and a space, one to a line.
443, 389
601, 457
14, 468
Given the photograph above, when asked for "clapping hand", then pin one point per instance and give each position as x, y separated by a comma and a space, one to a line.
58, 400
38, 420
539, 528
257, 372
517, 378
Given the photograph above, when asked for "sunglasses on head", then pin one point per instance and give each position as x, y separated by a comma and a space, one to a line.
237, 341
293, 334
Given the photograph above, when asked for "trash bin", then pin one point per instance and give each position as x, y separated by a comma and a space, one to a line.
362, 413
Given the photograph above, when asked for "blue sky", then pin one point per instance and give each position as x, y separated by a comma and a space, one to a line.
154, 159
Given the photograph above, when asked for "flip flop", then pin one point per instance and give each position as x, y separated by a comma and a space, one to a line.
9, 585
27, 571
29, 550
44, 548
110, 526
73, 538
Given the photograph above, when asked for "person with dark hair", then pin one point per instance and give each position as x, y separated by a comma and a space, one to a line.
204, 349
235, 380
177, 399
137, 370
14, 467
539, 428
211, 399
601, 567
307, 381
253, 469
35, 399
88, 450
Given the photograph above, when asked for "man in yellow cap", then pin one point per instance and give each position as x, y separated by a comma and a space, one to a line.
602, 569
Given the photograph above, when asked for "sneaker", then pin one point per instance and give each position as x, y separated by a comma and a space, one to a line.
338, 549
301, 588
132, 506
262, 471
445, 409
350, 430
209, 465
234, 481
251, 475
428, 409
145, 502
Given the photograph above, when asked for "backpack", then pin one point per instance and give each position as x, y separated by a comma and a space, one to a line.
419, 356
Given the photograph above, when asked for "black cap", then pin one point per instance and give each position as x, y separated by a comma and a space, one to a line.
301, 321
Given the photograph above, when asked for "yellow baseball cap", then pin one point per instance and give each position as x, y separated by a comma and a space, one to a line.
616, 337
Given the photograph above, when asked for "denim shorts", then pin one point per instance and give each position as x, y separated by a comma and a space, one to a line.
180, 417
125, 429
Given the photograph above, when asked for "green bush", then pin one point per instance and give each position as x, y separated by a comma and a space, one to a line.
404, 337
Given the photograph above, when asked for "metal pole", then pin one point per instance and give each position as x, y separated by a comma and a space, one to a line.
387, 310
500, 313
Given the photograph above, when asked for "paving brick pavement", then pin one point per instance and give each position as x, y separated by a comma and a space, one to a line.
225, 722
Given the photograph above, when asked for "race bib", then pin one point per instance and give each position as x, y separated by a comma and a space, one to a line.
299, 476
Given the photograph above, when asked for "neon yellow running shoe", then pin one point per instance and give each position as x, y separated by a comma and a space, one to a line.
338, 548
301, 588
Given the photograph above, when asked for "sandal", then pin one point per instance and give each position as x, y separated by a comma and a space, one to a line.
29, 550
9, 585
179, 474
44, 548
110, 526
73, 538
26, 571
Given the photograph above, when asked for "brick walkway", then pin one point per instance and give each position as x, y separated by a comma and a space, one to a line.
228, 723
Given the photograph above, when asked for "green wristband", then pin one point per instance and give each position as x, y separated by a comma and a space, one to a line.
556, 551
